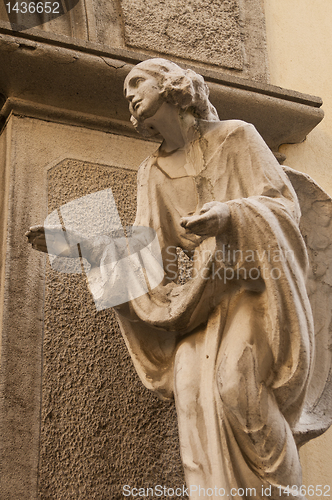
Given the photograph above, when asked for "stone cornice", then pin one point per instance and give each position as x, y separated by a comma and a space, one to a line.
53, 78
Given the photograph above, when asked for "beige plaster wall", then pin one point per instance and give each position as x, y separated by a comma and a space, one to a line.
300, 54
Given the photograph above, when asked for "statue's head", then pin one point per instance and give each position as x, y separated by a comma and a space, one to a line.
155, 81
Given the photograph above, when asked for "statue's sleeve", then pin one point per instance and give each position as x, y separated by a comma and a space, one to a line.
151, 349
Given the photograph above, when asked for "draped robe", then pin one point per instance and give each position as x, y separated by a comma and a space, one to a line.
237, 353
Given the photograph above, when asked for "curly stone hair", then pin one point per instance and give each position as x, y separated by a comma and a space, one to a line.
182, 87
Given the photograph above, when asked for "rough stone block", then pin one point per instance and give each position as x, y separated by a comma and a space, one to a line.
204, 31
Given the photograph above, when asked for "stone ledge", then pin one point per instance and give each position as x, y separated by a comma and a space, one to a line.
134, 57
66, 82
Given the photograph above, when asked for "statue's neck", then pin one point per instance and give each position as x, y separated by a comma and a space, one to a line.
177, 128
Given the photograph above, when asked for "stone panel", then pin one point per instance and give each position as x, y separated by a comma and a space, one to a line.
204, 31
101, 429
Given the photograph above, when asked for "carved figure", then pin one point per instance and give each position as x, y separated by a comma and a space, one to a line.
234, 345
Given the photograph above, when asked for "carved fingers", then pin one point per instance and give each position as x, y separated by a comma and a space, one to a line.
36, 237
212, 220
50, 239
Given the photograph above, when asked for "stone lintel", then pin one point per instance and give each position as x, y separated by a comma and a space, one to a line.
55, 79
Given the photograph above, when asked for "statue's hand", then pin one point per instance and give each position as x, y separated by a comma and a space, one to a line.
57, 242
64, 243
213, 220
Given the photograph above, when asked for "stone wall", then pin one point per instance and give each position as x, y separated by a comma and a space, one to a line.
228, 34
101, 429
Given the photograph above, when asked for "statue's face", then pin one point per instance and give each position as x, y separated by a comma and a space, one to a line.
143, 93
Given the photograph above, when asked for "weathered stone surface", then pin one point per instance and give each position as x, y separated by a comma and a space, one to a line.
98, 423
226, 33
21, 326
109, 26
29, 148
236, 349
184, 178
52, 92
204, 31
216, 342
315, 225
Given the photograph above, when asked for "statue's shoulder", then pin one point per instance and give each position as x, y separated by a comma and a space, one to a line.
148, 161
233, 131
233, 125
225, 128
144, 169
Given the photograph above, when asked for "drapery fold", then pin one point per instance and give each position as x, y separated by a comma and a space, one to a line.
233, 345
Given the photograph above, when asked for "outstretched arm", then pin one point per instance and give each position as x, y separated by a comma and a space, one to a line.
55, 241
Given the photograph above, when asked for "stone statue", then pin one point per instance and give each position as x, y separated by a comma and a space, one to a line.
229, 332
